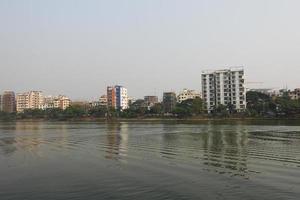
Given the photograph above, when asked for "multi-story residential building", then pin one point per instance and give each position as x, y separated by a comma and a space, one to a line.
22, 101
111, 97
224, 87
151, 100
187, 94
131, 100
8, 102
35, 99
103, 101
295, 95
117, 97
29, 100
169, 101
61, 102
121, 97
65, 102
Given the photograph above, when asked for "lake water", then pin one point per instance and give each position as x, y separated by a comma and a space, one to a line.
60, 160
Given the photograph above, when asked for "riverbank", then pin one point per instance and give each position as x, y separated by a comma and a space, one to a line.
162, 119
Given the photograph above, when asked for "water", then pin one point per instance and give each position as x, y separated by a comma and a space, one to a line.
59, 160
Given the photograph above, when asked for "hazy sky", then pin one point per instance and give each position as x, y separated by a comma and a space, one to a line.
77, 47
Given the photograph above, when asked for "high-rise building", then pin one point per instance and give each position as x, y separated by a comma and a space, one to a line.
224, 87
117, 97
187, 94
29, 100
111, 97
8, 102
151, 100
169, 101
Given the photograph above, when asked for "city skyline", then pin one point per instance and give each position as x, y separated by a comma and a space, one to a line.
147, 46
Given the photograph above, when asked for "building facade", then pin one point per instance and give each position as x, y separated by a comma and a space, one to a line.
295, 95
8, 102
169, 101
187, 94
111, 97
61, 102
29, 100
117, 97
103, 101
0, 103
224, 87
151, 100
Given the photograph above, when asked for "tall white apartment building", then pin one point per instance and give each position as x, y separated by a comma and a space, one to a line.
117, 97
224, 87
29, 100
187, 94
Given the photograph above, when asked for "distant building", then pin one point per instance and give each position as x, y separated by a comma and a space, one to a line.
117, 97
295, 95
61, 102
169, 101
111, 97
8, 102
22, 101
29, 100
151, 100
224, 87
103, 101
187, 94
131, 100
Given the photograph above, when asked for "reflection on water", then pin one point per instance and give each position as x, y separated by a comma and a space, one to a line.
170, 155
117, 138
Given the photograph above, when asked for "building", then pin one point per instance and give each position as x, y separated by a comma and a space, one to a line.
295, 95
111, 97
61, 102
29, 100
117, 97
121, 97
151, 100
103, 101
169, 101
22, 101
187, 94
8, 102
224, 87
64, 102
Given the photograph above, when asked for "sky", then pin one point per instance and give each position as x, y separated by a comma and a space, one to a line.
78, 47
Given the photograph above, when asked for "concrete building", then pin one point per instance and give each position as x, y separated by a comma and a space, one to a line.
187, 94
224, 87
295, 95
103, 101
111, 97
61, 102
22, 101
29, 100
151, 100
8, 102
169, 101
117, 97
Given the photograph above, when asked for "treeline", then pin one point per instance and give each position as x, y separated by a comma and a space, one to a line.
258, 105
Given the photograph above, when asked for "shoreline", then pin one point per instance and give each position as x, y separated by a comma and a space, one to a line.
89, 119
